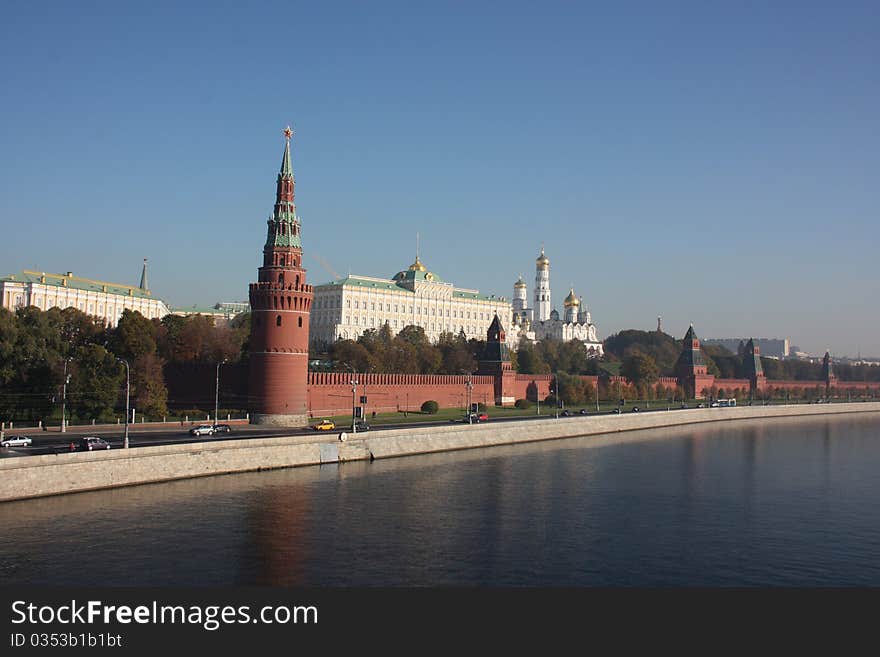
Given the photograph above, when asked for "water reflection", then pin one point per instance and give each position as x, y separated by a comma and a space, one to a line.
734, 504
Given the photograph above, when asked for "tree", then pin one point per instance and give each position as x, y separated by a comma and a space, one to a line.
133, 336
640, 369
350, 355
530, 361
95, 382
148, 385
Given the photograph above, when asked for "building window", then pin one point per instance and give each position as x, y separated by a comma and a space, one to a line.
278, 321
300, 321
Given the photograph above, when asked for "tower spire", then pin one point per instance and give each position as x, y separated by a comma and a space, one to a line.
284, 225
286, 168
144, 285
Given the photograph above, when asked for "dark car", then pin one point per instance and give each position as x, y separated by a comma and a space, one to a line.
362, 425
616, 411
222, 428
91, 443
635, 409
583, 411
566, 413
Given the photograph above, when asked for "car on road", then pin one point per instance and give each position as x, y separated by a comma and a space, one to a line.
324, 425
16, 441
91, 443
202, 430
583, 411
635, 409
361, 425
222, 428
566, 413
616, 411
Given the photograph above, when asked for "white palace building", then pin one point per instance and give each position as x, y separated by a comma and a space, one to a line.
97, 298
345, 308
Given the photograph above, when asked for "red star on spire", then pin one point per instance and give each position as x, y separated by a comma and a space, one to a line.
288, 133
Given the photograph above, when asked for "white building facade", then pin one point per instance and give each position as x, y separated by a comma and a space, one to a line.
97, 298
345, 308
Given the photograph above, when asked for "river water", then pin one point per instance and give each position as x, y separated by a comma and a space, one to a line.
756, 502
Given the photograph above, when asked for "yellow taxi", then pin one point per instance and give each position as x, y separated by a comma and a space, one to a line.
324, 425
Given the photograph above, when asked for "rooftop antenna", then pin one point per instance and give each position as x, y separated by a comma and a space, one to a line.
417, 245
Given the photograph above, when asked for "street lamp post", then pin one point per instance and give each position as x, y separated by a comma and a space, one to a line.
217, 391
556, 394
64, 398
470, 386
127, 391
354, 387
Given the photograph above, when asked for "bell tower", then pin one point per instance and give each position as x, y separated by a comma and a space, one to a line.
280, 305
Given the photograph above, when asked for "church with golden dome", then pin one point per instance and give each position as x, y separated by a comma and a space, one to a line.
542, 321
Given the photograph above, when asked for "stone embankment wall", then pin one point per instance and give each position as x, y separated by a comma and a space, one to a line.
37, 476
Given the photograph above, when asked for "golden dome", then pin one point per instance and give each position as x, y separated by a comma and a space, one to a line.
417, 265
519, 283
571, 300
542, 261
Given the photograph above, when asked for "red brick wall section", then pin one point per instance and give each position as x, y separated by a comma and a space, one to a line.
532, 386
330, 392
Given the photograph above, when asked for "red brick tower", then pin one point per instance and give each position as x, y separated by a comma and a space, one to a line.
752, 368
280, 305
496, 361
691, 367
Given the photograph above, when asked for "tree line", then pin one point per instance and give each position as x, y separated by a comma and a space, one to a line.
39, 350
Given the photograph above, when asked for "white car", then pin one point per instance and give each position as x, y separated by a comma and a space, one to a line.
16, 441
202, 430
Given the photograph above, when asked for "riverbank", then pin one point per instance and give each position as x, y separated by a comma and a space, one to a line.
55, 474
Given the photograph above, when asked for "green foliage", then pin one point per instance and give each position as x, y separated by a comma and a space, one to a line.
149, 393
523, 404
409, 352
430, 407
640, 369
133, 337
663, 348
97, 381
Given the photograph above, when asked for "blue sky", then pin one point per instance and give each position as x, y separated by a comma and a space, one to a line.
714, 163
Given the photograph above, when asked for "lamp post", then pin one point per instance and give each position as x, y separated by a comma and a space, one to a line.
127, 391
470, 386
556, 394
217, 391
64, 398
354, 387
